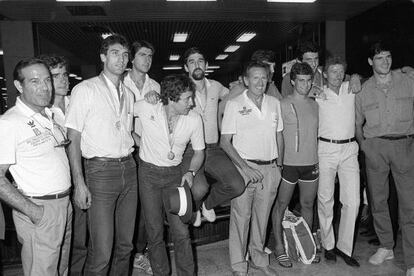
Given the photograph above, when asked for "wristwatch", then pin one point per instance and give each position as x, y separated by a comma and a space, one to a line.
193, 173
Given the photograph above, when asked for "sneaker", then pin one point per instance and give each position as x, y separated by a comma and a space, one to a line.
210, 215
197, 221
267, 271
381, 255
410, 272
142, 263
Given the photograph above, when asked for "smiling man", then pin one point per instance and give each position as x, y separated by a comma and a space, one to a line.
385, 131
99, 122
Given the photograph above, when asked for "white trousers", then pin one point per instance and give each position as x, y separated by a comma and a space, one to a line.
341, 159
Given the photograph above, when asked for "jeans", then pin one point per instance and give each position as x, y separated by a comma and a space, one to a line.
219, 166
111, 217
79, 248
153, 181
140, 232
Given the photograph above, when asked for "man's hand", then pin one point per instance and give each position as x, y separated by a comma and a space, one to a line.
82, 196
152, 97
316, 92
37, 214
188, 176
253, 175
354, 84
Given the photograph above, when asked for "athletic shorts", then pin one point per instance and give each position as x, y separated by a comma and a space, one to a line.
293, 174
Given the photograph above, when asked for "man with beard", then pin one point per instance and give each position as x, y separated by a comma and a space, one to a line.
385, 131
99, 122
217, 164
139, 82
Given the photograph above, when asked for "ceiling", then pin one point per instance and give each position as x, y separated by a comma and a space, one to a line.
212, 26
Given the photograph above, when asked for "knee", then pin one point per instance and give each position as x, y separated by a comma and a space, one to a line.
236, 187
281, 205
198, 191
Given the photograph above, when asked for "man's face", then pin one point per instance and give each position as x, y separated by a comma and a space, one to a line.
196, 66
184, 104
142, 60
335, 75
271, 68
36, 87
312, 59
256, 80
116, 59
302, 84
60, 80
381, 63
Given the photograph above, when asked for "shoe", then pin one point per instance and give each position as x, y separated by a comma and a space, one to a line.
197, 221
266, 271
142, 263
410, 272
330, 256
284, 261
348, 259
239, 273
210, 215
381, 255
317, 259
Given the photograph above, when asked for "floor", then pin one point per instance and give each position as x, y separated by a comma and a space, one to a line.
213, 260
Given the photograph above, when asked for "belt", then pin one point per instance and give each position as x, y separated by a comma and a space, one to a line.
397, 137
338, 141
107, 159
54, 196
262, 162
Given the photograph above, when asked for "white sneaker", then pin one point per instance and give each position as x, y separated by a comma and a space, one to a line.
197, 221
410, 272
381, 255
210, 215
142, 263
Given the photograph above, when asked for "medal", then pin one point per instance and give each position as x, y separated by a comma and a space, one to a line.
118, 125
171, 155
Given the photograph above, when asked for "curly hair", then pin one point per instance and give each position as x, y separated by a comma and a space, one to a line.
300, 68
172, 86
55, 61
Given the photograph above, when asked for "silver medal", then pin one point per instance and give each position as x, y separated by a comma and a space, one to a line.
171, 155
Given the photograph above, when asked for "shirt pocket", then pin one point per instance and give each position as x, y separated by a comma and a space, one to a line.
372, 114
404, 106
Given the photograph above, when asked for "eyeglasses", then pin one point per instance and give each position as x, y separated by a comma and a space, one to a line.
65, 141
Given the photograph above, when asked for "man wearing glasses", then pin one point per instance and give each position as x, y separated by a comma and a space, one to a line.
32, 148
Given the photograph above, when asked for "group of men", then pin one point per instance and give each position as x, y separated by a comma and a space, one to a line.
121, 120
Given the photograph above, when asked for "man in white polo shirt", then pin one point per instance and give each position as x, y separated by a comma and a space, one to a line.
251, 136
32, 147
165, 130
338, 153
99, 123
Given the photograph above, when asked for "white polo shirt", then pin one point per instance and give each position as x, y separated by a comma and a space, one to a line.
253, 130
58, 114
94, 110
153, 129
337, 114
27, 143
207, 106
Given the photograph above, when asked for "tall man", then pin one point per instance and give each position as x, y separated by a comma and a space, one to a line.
165, 130
32, 147
139, 82
99, 122
338, 154
385, 131
251, 136
217, 164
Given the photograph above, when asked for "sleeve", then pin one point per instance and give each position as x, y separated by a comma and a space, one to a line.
224, 91
280, 121
137, 120
286, 86
157, 87
7, 143
229, 124
78, 108
359, 113
197, 137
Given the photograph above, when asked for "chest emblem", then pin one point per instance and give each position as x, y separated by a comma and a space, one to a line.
245, 111
33, 127
152, 118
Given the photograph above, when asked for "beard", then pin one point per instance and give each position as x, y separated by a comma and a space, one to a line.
198, 74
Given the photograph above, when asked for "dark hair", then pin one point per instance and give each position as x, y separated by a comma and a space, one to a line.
141, 44
333, 61
306, 47
378, 47
111, 40
255, 64
300, 68
172, 86
54, 61
17, 72
263, 55
190, 51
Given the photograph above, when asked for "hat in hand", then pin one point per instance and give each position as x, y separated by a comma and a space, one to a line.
180, 202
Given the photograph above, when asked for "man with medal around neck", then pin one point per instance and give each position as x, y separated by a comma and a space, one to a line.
165, 129
217, 164
99, 124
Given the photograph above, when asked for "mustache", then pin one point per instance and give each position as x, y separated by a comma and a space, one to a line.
198, 74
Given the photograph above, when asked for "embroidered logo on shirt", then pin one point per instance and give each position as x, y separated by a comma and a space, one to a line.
33, 126
245, 111
152, 118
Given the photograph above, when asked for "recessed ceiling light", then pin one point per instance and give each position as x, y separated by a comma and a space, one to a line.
105, 35
221, 57
174, 57
71, 75
246, 37
213, 67
1, 52
232, 48
180, 37
83, 0
209, 71
4, 88
78, 78
191, 0
172, 68
292, 1
1, 78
